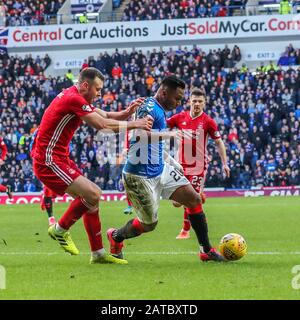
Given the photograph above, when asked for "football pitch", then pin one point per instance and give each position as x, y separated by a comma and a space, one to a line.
160, 267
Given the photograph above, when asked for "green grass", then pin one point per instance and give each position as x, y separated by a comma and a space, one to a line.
160, 267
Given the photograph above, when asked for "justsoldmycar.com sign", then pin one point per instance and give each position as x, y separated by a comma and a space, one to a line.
162, 30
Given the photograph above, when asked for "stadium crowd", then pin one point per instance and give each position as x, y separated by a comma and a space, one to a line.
39, 12
180, 9
290, 56
258, 113
29, 12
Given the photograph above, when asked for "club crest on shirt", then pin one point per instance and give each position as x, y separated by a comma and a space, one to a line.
71, 171
86, 108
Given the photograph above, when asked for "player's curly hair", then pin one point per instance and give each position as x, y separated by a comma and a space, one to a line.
173, 82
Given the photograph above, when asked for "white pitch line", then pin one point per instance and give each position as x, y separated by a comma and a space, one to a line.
148, 253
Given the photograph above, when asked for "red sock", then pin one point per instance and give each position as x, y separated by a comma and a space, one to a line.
2, 188
129, 202
74, 213
137, 226
92, 226
186, 221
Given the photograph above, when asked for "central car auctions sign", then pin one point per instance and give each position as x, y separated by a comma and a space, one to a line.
161, 30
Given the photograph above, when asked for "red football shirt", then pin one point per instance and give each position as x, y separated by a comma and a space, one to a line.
59, 123
196, 131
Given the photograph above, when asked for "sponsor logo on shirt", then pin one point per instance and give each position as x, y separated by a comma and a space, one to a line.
86, 108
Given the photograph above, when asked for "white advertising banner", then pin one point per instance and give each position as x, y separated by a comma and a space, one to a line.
159, 31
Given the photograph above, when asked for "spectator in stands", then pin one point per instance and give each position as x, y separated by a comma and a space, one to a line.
116, 71
116, 3
292, 59
297, 112
2, 14
85, 64
83, 18
215, 8
202, 10
236, 54
284, 7
29, 186
69, 75
284, 60
270, 67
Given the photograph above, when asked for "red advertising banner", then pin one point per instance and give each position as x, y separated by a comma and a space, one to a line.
30, 198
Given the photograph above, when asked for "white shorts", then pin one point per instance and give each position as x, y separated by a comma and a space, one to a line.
145, 193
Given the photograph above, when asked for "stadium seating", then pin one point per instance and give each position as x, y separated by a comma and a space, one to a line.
258, 113
30, 12
154, 9
38, 12
289, 57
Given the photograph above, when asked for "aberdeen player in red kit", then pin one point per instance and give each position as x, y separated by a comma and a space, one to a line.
196, 128
3, 148
52, 165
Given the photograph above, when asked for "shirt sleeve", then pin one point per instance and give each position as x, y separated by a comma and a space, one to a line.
146, 110
213, 130
80, 107
173, 121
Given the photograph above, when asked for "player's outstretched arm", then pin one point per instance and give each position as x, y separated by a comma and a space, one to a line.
98, 122
222, 152
124, 114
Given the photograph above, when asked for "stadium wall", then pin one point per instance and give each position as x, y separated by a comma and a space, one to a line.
35, 197
252, 55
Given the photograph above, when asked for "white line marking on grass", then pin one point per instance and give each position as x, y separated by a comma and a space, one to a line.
242, 205
28, 253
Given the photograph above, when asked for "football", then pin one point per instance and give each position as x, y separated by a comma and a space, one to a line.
233, 246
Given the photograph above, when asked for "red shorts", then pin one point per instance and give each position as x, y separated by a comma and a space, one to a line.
49, 193
197, 181
57, 176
